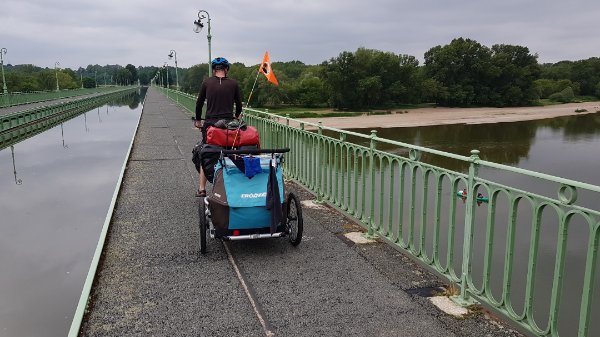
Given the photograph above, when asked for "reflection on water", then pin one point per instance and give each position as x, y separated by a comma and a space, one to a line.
55, 189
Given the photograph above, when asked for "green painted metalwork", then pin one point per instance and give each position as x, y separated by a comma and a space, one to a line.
56, 64
401, 197
4, 88
18, 119
198, 25
17, 98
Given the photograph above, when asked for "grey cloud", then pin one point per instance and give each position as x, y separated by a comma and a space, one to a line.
81, 32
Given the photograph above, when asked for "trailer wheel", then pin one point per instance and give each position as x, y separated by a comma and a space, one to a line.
294, 223
202, 225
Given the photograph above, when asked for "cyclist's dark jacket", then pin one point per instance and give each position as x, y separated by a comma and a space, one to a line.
221, 94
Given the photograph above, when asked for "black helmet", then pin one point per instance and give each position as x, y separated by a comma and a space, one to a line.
220, 61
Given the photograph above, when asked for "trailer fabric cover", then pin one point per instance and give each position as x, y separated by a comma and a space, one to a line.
243, 199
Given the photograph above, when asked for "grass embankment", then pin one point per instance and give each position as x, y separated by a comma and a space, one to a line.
577, 99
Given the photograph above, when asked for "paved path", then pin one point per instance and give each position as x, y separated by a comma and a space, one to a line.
152, 281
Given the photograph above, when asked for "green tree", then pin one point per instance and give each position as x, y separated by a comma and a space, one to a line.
66, 80
21, 82
46, 80
369, 91
564, 96
557, 71
292, 70
584, 74
587, 74
472, 74
432, 91
89, 82
311, 92
513, 73
133, 71
547, 87
145, 74
193, 78
340, 76
463, 68
123, 77
371, 78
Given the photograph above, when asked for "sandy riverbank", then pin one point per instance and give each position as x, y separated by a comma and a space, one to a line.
440, 116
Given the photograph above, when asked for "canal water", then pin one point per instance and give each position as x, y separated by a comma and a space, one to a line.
55, 191
567, 147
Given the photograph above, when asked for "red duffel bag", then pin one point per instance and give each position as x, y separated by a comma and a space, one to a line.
232, 138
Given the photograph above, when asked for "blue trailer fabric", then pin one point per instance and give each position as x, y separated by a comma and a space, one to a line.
249, 217
245, 192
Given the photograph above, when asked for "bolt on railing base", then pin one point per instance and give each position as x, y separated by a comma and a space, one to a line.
463, 302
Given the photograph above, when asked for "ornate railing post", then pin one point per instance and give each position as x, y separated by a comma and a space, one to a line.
303, 163
464, 298
318, 165
370, 220
286, 132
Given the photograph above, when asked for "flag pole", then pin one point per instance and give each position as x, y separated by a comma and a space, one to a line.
253, 85
247, 104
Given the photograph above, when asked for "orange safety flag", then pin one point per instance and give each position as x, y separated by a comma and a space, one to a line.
265, 68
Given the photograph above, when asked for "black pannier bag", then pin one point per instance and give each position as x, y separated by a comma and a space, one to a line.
209, 156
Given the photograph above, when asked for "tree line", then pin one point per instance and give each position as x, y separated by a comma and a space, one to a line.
30, 78
462, 73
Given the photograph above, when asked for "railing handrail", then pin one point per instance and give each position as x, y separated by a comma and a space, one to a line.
52, 104
21, 98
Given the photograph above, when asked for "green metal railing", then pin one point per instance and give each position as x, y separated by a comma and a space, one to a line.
414, 206
19, 98
20, 118
187, 101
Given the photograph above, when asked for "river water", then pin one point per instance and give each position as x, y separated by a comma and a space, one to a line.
55, 190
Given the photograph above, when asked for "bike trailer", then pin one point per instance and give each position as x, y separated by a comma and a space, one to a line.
240, 203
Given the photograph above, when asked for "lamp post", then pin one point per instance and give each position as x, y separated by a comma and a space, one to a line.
174, 53
4, 88
96, 79
81, 77
166, 65
56, 64
198, 25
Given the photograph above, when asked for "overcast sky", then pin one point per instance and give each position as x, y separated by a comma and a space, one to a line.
142, 32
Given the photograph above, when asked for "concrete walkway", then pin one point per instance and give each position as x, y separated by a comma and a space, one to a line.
152, 281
